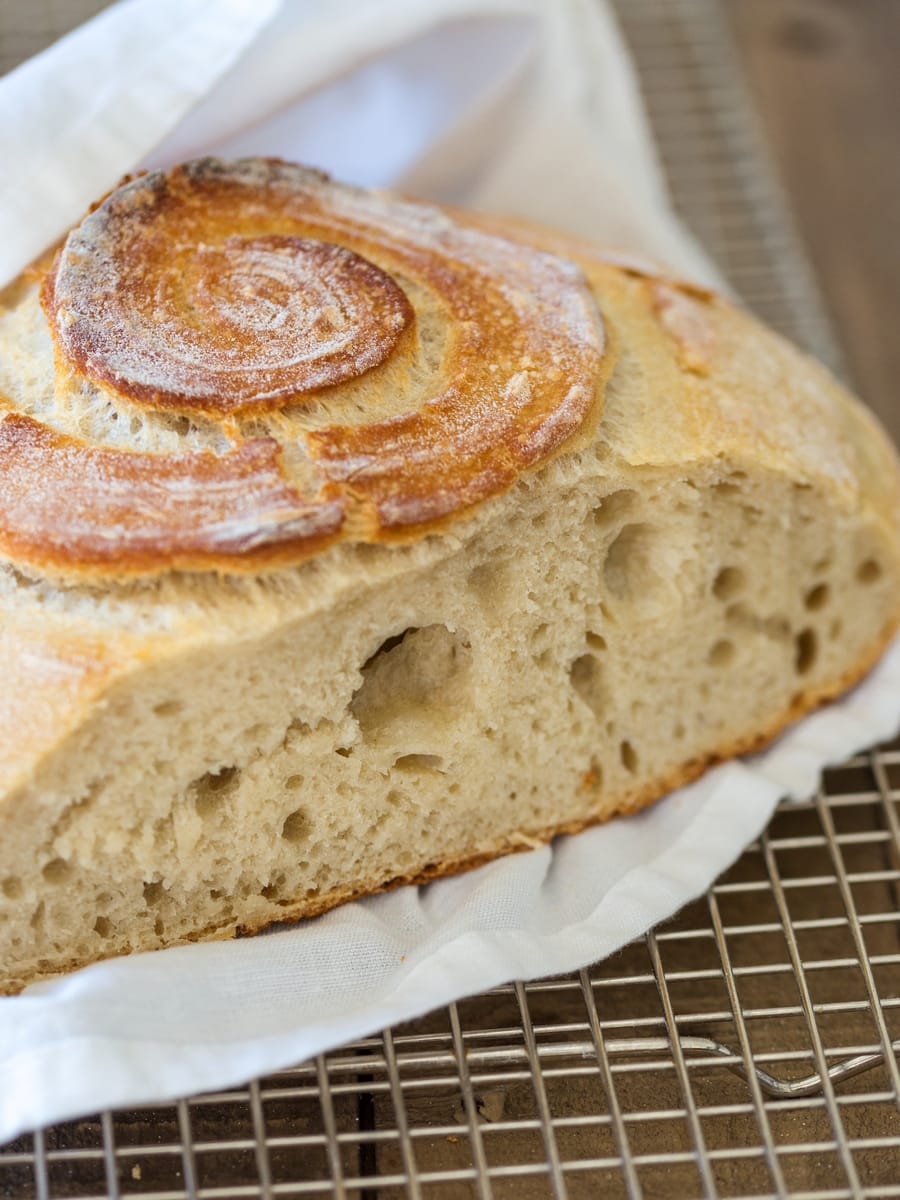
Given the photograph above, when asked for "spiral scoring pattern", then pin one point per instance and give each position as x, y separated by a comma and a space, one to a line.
227, 290
237, 326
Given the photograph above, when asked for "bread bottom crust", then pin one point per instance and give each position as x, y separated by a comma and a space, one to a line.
803, 702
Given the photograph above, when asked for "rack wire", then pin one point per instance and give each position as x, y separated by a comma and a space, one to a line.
747, 1048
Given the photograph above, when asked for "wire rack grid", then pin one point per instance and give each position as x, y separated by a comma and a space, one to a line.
745, 1049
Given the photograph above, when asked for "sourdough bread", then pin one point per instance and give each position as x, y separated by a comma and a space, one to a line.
347, 543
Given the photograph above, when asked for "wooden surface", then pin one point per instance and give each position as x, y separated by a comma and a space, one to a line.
825, 75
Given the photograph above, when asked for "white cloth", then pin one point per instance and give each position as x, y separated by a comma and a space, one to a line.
528, 108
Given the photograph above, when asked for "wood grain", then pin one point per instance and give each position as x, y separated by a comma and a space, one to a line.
826, 78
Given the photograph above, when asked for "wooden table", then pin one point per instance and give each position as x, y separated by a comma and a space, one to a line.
826, 78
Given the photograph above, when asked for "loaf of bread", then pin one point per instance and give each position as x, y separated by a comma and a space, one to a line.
349, 542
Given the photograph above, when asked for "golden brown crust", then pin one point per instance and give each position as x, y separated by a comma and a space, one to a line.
685, 318
630, 802
167, 319
64, 505
227, 290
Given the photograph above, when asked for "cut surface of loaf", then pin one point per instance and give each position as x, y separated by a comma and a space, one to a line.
655, 538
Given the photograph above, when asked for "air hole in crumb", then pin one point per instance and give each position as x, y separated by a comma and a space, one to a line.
153, 894
168, 708
632, 568
596, 641
293, 783
837, 628
629, 757
57, 871
729, 582
11, 887
419, 762
722, 653
806, 648
210, 789
490, 581
389, 644
613, 508
417, 676
586, 678
817, 597
273, 889
219, 781
869, 571
679, 732
296, 826
159, 927
344, 751
102, 927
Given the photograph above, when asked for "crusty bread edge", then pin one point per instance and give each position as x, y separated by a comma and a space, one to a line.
626, 804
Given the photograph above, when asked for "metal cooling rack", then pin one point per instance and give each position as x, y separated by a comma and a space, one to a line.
745, 1049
